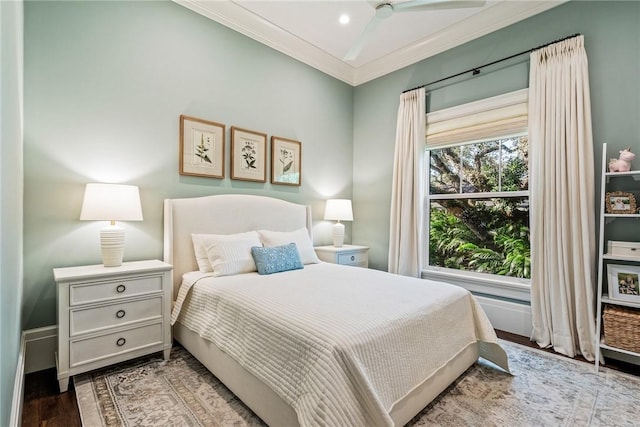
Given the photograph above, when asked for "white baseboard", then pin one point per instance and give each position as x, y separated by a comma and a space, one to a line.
616, 355
40, 348
37, 352
18, 387
507, 316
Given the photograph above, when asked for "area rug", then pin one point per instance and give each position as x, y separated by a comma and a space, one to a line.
544, 390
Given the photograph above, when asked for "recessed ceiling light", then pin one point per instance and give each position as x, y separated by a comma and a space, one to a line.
344, 19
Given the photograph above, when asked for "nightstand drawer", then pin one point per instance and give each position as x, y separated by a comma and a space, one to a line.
110, 345
96, 318
352, 255
82, 293
353, 258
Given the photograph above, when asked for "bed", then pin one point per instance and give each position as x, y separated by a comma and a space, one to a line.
318, 344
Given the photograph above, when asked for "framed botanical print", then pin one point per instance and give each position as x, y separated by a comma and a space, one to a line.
286, 161
248, 155
201, 147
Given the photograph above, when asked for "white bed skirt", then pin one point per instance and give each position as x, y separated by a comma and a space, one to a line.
277, 413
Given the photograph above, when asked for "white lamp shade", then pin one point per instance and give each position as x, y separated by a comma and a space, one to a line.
338, 210
111, 202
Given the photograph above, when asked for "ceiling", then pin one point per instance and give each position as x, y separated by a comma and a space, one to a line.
309, 31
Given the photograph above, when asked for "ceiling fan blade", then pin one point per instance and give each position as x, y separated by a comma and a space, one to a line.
417, 5
362, 40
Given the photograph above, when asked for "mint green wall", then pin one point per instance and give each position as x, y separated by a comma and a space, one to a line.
105, 84
612, 38
11, 173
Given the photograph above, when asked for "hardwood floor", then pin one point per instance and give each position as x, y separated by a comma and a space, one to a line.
44, 406
618, 365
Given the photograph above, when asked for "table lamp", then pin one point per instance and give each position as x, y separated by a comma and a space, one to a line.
111, 202
338, 210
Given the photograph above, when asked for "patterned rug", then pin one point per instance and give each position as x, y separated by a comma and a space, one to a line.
545, 390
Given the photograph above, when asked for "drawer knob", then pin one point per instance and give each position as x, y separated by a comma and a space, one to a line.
120, 314
121, 288
353, 258
120, 342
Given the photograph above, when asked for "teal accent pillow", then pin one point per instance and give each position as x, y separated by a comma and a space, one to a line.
276, 258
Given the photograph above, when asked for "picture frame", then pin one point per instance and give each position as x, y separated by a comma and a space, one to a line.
286, 161
248, 155
623, 281
620, 202
202, 144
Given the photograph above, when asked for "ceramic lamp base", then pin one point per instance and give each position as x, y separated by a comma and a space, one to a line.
338, 234
112, 245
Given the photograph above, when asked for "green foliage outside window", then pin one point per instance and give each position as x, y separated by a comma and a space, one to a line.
487, 234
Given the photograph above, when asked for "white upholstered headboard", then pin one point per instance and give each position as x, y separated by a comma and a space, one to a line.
222, 214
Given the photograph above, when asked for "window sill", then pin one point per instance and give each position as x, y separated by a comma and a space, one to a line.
487, 284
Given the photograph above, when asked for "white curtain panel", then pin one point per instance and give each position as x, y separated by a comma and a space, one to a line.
407, 194
562, 190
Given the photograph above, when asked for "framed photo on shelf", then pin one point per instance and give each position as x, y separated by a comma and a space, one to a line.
286, 161
620, 202
201, 147
623, 282
248, 155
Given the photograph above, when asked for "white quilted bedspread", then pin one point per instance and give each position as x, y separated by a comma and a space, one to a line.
340, 344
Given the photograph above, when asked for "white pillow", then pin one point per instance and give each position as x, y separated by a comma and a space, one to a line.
201, 253
300, 237
227, 254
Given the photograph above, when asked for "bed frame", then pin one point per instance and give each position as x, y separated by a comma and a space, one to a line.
231, 213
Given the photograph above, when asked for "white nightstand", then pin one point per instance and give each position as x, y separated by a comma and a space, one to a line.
108, 315
345, 255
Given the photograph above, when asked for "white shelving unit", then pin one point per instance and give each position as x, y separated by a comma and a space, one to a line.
604, 258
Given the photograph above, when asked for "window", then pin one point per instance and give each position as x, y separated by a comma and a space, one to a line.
479, 207
477, 201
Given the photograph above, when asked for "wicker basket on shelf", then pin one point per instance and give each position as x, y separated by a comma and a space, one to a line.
622, 328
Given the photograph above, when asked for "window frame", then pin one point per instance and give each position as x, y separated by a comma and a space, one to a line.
509, 288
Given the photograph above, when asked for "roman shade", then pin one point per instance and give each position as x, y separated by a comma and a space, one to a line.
494, 117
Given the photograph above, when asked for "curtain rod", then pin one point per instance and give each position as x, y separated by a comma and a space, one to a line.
476, 70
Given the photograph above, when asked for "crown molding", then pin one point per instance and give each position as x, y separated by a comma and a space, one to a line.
234, 16
497, 17
237, 18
